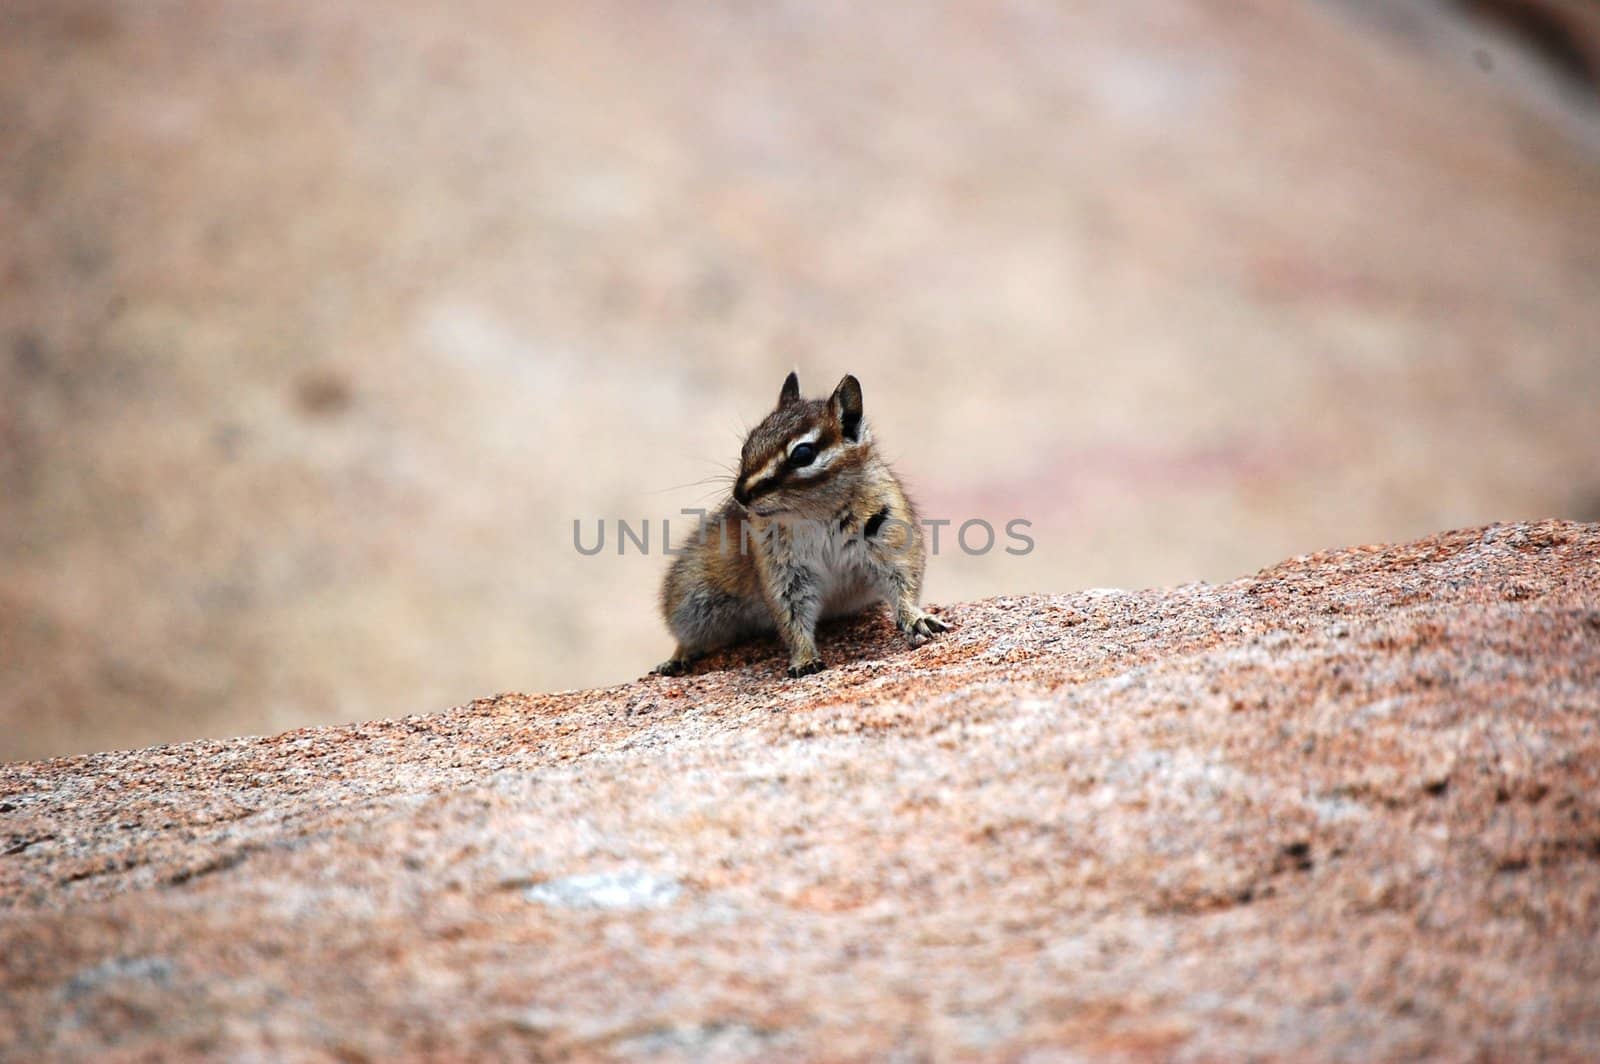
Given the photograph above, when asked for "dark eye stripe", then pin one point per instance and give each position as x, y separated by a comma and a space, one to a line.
767, 484
781, 478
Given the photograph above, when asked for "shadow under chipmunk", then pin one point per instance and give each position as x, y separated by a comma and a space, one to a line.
866, 637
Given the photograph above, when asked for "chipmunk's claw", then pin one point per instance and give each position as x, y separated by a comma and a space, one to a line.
672, 667
920, 629
806, 668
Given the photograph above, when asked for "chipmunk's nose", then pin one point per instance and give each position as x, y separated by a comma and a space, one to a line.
741, 495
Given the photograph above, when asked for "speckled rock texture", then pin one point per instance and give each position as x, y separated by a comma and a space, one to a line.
1346, 808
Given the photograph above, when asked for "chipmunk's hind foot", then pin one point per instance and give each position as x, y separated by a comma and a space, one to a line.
920, 627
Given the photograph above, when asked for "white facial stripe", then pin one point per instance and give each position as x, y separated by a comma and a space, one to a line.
823, 460
783, 459
810, 437
765, 471
775, 464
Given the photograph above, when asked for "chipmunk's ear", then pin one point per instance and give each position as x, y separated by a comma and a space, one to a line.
846, 406
791, 390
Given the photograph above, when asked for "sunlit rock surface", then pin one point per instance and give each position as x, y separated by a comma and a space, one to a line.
1347, 807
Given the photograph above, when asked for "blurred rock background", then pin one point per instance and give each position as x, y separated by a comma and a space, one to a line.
321, 323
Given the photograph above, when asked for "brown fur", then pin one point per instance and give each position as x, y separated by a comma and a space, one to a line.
798, 541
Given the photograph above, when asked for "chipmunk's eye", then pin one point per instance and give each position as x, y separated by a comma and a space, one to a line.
803, 455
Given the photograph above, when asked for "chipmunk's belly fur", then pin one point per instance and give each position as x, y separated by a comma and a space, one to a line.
842, 558
713, 592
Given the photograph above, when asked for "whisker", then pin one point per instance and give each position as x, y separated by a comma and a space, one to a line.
724, 477
718, 479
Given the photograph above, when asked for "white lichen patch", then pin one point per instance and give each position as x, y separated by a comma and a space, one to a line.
625, 890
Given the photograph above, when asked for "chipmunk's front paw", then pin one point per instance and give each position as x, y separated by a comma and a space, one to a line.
806, 668
672, 667
920, 627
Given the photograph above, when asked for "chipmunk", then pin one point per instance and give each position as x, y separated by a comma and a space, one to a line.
817, 526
